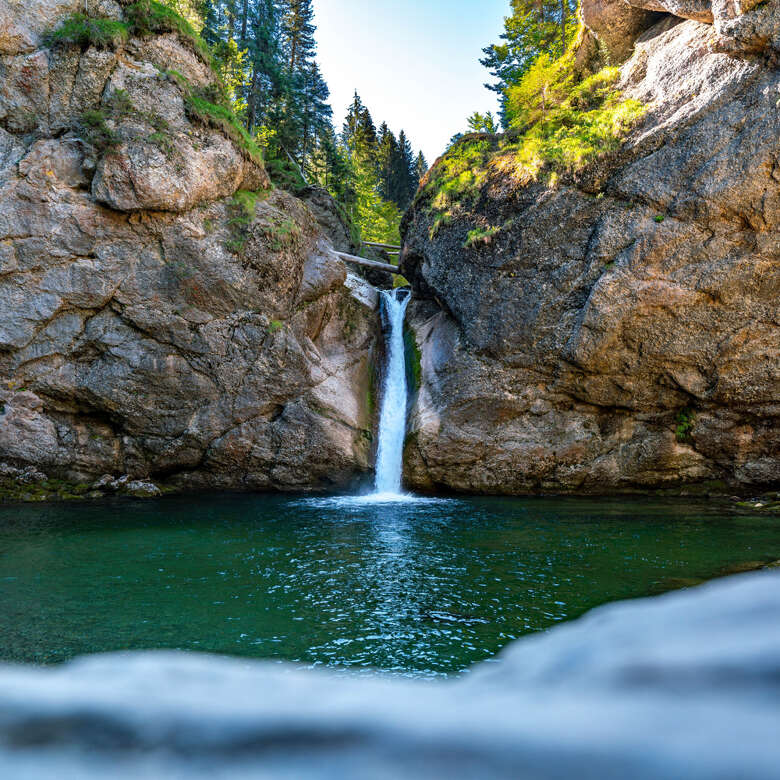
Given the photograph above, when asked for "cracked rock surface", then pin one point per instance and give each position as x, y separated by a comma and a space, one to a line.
622, 330
150, 323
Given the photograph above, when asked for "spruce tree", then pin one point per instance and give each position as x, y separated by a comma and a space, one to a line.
420, 169
299, 33
387, 152
404, 172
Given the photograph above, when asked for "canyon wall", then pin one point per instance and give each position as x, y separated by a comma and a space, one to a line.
617, 328
164, 313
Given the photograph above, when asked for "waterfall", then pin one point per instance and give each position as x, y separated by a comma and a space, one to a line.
392, 415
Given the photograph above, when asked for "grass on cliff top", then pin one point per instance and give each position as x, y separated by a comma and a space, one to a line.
142, 18
560, 122
81, 30
147, 17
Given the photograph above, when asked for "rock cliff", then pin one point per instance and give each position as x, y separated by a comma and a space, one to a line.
163, 312
617, 327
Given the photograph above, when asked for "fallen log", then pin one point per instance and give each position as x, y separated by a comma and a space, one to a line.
391, 269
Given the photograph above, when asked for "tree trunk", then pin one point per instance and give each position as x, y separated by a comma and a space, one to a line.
564, 9
252, 112
244, 17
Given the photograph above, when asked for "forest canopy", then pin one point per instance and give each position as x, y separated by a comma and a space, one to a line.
265, 52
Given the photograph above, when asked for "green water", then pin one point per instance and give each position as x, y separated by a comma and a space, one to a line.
422, 588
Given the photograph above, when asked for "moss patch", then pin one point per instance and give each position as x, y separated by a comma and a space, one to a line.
48, 490
241, 214
413, 360
685, 419
222, 118
480, 237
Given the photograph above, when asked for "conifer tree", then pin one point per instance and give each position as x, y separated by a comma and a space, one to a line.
534, 27
387, 153
420, 169
299, 32
404, 172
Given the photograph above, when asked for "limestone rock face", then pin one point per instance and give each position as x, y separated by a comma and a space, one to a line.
741, 26
699, 10
621, 331
616, 24
154, 323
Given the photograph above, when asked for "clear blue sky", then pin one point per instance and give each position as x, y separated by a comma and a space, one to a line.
415, 63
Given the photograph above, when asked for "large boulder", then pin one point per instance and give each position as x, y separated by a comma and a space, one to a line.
619, 330
685, 685
616, 25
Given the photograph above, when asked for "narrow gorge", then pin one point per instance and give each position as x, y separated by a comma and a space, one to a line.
169, 315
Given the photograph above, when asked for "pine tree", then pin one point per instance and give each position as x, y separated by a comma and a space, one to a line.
316, 113
387, 153
420, 169
349, 130
404, 172
535, 27
482, 123
299, 33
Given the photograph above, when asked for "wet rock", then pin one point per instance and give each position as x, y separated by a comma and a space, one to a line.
140, 489
682, 685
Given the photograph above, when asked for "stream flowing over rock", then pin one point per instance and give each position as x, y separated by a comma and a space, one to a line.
682, 685
153, 322
621, 329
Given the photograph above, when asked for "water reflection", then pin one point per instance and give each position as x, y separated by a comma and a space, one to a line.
425, 586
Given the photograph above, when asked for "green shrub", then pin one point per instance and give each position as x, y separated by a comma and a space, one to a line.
685, 419
241, 212
81, 30
442, 220
120, 104
285, 176
479, 236
142, 18
564, 124
281, 232
275, 326
96, 132
460, 173
659, 218
164, 143
560, 122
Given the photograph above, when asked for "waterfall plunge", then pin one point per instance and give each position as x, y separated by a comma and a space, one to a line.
392, 416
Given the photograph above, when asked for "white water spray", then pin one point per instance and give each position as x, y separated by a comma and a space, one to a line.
392, 416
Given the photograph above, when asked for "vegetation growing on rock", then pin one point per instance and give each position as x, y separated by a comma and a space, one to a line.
82, 30
148, 17
560, 120
222, 117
